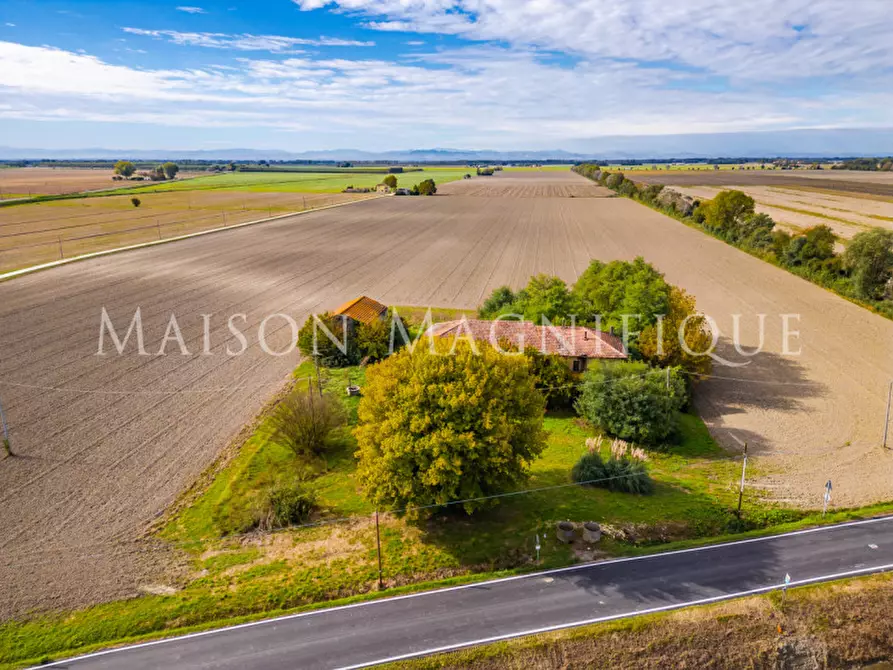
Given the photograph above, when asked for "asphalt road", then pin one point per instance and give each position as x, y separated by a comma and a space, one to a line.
402, 627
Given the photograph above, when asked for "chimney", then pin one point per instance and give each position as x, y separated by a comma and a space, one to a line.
585, 334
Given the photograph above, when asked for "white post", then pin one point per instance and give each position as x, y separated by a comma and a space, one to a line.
887, 415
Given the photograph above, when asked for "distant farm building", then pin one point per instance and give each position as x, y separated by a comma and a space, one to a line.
576, 344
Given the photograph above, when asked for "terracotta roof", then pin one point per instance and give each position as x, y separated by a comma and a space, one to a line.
362, 309
567, 341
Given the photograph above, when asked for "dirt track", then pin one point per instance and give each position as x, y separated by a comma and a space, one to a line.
107, 443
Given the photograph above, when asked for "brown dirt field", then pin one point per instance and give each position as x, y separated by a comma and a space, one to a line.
107, 443
523, 185
844, 214
39, 233
21, 182
840, 625
872, 183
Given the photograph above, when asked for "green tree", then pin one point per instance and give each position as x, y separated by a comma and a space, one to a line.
622, 287
552, 378
727, 211
390, 181
374, 338
170, 170
435, 428
426, 187
547, 297
125, 168
314, 341
630, 400
136, 202
495, 302
663, 347
869, 261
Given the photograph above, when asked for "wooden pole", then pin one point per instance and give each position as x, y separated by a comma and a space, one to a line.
887, 416
378, 543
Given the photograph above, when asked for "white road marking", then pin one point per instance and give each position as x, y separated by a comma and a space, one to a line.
652, 610
472, 585
872, 546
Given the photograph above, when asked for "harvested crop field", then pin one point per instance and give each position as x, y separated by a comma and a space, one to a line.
797, 210
23, 182
870, 183
43, 232
106, 443
545, 184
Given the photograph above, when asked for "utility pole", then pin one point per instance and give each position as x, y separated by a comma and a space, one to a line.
743, 473
378, 544
61, 253
318, 380
158, 226
887, 416
7, 447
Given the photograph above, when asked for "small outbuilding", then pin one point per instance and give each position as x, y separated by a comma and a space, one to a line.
362, 310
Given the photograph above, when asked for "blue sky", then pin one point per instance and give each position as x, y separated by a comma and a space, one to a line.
400, 74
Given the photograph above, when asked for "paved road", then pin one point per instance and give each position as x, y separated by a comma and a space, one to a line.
360, 635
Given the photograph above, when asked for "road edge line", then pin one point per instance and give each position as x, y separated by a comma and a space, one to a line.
879, 569
13, 274
501, 580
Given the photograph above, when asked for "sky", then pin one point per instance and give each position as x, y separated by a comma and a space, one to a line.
376, 75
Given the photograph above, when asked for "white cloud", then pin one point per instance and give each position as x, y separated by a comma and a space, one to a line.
10, 25
192, 10
245, 41
756, 40
481, 96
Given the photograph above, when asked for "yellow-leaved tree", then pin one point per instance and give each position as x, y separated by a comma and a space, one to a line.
681, 324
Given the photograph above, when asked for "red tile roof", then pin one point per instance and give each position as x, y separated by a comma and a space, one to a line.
362, 309
567, 341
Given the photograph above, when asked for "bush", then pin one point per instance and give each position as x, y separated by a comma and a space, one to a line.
665, 349
631, 401
136, 202
313, 341
625, 475
284, 505
390, 181
552, 378
303, 422
725, 213
448, 425
426, 187
614, 181
374, 338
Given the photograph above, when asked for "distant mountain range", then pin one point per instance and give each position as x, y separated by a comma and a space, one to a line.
809, 143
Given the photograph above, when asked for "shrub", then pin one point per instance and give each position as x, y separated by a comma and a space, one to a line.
390, 181
435, 427
631, 400
625, 475
136, 202
552, 378
727, 211
426, 187
170, 169
284, 505
303, 422
374, 338
614, 181
314, 341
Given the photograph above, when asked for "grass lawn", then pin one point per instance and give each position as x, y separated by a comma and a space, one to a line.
243, 576
298, 181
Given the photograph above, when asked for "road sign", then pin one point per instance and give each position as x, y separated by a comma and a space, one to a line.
787, 579
538, 547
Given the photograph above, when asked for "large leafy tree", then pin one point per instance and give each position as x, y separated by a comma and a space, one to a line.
446, 426
500, 298
869, 260
682, 327
170, 169
336, 348
633, 401
727, 212
125, 168
545, 296
621, 287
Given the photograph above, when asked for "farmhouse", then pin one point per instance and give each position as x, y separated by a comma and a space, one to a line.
362, 310
576, 344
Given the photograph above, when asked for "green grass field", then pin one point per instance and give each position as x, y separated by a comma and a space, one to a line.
298, 182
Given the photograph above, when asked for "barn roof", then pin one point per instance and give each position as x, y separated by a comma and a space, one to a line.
567, 341
362, 309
